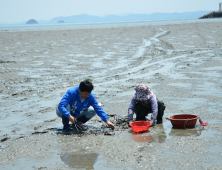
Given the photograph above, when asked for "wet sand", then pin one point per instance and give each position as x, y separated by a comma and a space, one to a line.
181, 63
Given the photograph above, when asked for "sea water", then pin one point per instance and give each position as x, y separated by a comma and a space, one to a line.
6, 27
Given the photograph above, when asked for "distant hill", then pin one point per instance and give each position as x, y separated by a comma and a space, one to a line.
60, 21
131, 17
84, 18
31, 21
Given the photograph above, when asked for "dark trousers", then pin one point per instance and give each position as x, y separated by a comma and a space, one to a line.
65, 122
142, 111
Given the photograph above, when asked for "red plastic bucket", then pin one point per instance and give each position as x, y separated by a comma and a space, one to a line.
140, 126
183, 120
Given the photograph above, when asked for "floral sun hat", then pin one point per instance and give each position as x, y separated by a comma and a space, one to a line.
142, 93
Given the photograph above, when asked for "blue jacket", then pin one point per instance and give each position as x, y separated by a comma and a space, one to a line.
72, 97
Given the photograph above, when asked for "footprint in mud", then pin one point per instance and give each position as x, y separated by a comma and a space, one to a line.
36, 133
42, 124
46, 110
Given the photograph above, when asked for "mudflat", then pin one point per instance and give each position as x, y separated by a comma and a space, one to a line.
181, 63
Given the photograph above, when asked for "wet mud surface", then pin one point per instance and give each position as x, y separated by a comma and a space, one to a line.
181, 63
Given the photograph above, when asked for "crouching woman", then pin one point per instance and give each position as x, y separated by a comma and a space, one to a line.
143, 102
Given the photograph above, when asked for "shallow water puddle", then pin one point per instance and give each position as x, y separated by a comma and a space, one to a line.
155, 133
79, 160
149, 137
198, 131
184, 132
86, 161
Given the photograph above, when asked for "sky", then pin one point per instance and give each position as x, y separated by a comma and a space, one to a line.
14, 11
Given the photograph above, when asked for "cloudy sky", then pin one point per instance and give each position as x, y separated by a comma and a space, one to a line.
12, 11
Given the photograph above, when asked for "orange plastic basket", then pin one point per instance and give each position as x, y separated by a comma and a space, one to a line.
140, 126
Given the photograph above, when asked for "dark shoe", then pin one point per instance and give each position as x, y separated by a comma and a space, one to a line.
66, 128
159, 121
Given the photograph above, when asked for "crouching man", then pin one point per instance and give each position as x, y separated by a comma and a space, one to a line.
75, 106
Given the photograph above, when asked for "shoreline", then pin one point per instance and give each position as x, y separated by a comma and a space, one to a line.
134, 24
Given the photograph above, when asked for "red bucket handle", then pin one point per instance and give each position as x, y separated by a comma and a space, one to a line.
202, 123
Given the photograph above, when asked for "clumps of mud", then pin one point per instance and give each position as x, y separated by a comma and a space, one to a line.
121, 124
4, 138
7, 61
98, 128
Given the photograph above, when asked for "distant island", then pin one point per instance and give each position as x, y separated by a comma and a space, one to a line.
31, 21
215, 14
60, 21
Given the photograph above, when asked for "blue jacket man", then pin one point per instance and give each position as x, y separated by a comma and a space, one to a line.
79, 104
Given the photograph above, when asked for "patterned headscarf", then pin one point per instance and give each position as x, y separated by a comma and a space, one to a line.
142, 93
